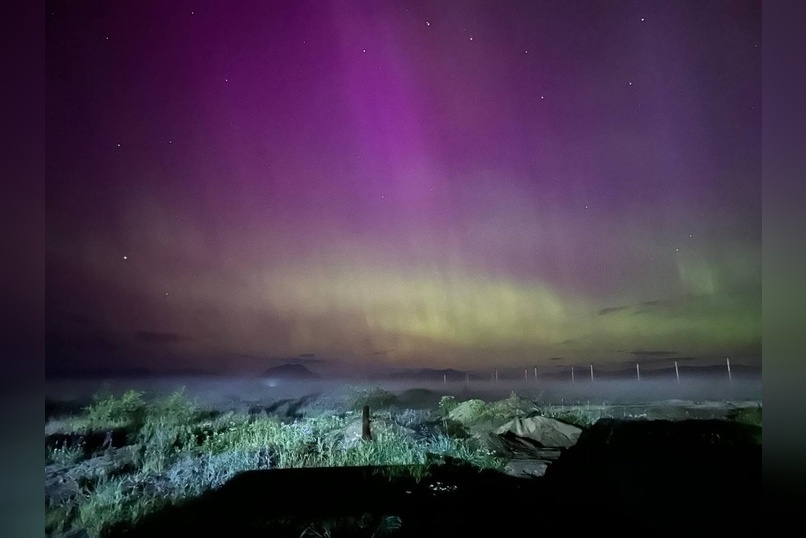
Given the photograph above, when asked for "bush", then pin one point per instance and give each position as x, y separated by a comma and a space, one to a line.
447, 404
169, 429
110, 412
374, 397
65, 454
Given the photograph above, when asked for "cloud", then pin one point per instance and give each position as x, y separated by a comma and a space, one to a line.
97, 342
150, 337
610, 310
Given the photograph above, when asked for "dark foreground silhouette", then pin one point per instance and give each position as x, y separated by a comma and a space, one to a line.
630, 478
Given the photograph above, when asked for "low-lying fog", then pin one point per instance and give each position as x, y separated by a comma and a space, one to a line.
229, 391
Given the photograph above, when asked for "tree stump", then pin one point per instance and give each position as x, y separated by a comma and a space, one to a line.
366, 435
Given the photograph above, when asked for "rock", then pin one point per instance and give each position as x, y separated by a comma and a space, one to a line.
526, 468
351, 434
60, 487
545, 432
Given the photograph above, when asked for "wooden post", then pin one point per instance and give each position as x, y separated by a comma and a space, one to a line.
525, 374
591, 372
572, 374
637, 371
730, 377
676, 372
496, 375
535, 372
444, 379
366, 435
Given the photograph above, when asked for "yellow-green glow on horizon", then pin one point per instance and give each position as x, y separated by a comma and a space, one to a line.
421, 310
416, 305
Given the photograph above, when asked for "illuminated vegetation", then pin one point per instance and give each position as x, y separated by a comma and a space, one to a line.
176, 451
179, 451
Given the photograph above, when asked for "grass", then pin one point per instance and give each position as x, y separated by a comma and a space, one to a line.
64, 454
747, 415
178, 451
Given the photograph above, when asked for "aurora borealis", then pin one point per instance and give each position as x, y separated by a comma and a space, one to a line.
444, 184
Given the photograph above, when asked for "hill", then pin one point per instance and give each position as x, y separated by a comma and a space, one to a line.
289, 371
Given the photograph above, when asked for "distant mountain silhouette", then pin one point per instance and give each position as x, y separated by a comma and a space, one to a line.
431, 374
289, 371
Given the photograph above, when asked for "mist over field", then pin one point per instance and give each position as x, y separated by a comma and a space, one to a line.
237, 392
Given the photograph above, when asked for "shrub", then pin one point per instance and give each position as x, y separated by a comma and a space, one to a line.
110, 412
447, 404
168, 430
374, 397
64, 454
115, 501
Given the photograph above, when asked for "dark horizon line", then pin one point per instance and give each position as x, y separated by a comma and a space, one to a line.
506, 373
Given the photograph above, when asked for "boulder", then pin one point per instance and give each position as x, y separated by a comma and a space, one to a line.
543, 431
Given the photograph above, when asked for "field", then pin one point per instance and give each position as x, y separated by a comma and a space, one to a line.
263, 457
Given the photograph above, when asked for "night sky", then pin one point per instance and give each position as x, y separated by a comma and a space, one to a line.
402, 184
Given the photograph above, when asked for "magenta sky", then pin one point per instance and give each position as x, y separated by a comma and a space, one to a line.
440, 184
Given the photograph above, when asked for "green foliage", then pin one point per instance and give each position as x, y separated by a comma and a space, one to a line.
376, 398
116, 501
581, 416
474, 412
64, 454
180, 452
168, 430
747, 415
111, 412
467, 450
447, 404
58, 519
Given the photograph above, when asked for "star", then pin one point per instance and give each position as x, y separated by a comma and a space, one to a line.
642, 19
363, 50
125, 257
630, 83
427, 23
471, 39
